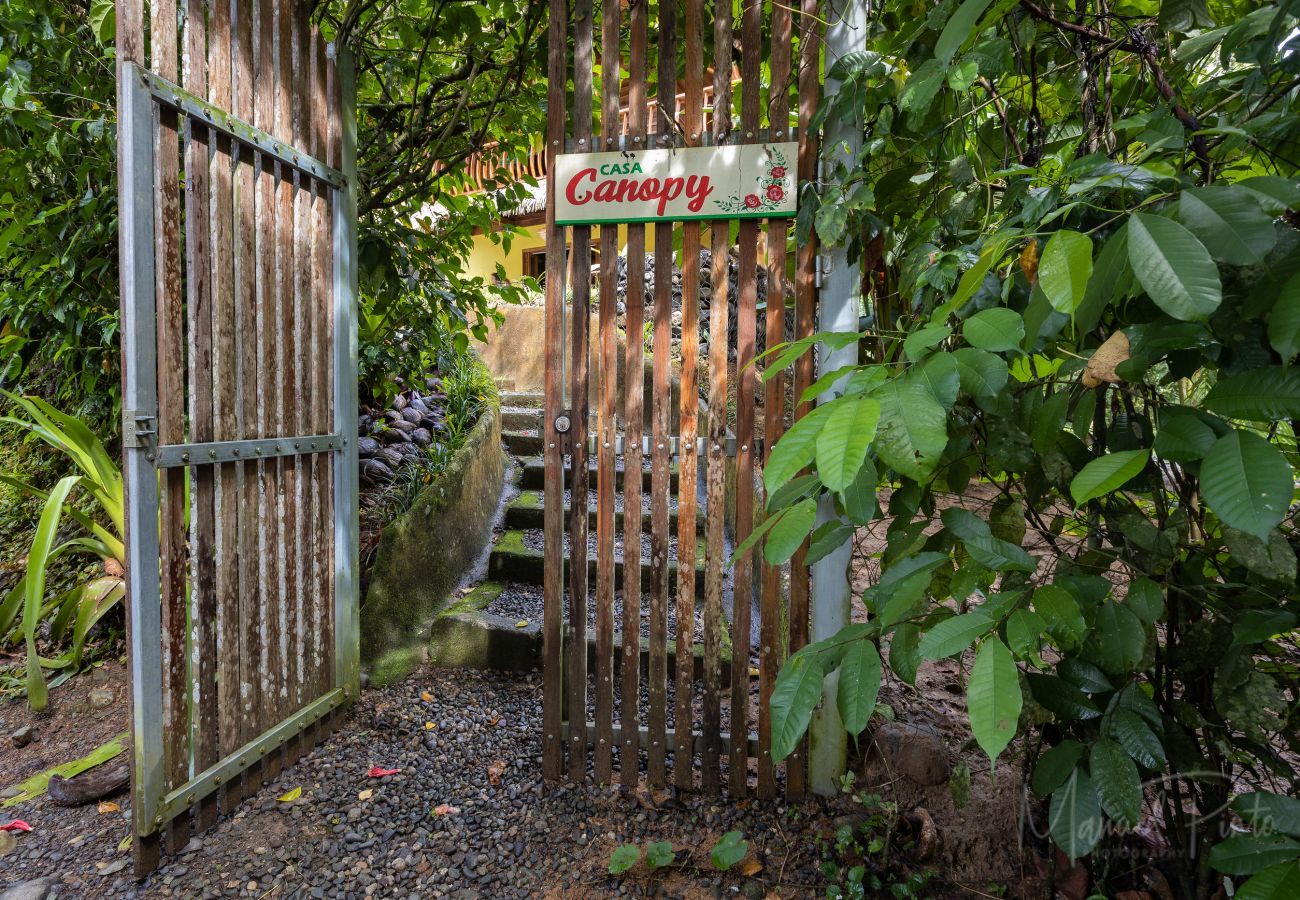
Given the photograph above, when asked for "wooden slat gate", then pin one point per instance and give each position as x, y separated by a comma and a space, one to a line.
709, 734
239, 399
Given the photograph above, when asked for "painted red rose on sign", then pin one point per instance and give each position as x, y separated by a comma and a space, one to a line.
753, 202
774, 193
778, 172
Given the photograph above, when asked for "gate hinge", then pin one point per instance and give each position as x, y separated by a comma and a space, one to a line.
140, 432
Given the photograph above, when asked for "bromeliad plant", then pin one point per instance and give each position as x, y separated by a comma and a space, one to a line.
1083, 399
72, 613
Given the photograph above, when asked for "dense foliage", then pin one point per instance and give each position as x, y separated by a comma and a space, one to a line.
1078, 408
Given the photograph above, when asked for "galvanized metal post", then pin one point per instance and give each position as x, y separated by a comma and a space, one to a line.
838, 309
347, 600
139, 442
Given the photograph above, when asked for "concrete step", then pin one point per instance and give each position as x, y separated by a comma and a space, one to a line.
533, 476
521, 418
528, 511
512, 560
520, 443
529, 399
505, 384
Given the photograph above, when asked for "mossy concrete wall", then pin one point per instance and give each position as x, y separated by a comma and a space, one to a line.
424, 554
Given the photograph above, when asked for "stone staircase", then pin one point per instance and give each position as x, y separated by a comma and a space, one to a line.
515, 568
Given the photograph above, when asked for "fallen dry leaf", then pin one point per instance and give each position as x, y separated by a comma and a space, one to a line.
750, 867
365, 795
753, 671
108, 806
495, 771
426, 696
124, 845
445, 809
522, 623
1029, 261
429, 726
1101, 367
380, 772
290, 796
493, 721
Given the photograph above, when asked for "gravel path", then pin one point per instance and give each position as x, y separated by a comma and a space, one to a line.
526, 601
473, 747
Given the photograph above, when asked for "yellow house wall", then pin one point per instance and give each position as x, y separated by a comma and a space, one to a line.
485, 255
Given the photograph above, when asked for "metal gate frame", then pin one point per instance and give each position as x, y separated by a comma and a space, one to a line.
141, 94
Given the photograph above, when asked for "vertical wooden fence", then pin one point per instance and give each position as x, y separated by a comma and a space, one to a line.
708, 729
239, 399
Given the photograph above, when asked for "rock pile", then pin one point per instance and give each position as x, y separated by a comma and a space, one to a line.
395, 437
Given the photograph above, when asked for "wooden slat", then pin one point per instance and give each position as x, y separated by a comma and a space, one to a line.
266, 208
769, 656
203, 718
333, 157
692, 124
716, 486
553, 583
606, 424
805, 309
746, 316
226, 383
661, 400
581, 314
634, 415
286, 367
168, 284
246, 311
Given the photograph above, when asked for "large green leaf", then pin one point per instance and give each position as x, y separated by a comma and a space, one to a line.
858, 685
797, 447
787, 534
1134, 734
1064, 270
1061, 612
904, 657
1273, 812
1055, 766
1107, 473
993, 698
1260, 395
997, 330
981, 373
993, 553
959, 28
1229, 222
1284, 321
1074, 817
1173, 267
1247, 482
844, 439
952, 636
913, 429
1118, 782
1183, 438
1118, 639
1274, 883
1246, 854
47, 530
797, 691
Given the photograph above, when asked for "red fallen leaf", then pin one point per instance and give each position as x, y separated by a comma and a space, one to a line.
378, 772
15, 825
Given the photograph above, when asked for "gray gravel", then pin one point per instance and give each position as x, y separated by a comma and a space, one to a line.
518, 837
526, 601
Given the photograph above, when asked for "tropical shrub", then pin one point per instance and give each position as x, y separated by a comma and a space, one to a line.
71, 613
1077, 422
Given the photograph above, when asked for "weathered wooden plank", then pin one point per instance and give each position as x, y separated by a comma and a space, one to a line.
322, 593
246, 310
692, 125
266, 208
553, 585
716, 484
333, 156
203, 617
634, 417
746, 316
168, 283
286, 362
606, 423
805, 313
770, 656
580, 278
661, 403
226, 387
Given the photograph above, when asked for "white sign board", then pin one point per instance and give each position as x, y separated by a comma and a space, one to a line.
737, 181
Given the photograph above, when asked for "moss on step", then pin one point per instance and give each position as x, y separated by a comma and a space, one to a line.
478, 599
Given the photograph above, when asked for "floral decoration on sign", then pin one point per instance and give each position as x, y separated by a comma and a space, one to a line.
770, 189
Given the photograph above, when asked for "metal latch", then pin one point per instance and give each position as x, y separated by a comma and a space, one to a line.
140, 432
